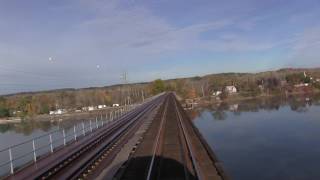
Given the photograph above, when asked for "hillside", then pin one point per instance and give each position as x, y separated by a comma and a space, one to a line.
248, 84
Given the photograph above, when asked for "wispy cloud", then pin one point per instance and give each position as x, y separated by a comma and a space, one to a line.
306, 50
131, 35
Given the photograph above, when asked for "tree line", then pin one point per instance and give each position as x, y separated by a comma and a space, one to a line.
247, 84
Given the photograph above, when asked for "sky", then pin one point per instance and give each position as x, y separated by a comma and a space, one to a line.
51, 44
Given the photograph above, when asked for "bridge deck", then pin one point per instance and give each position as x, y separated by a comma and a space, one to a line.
172, 148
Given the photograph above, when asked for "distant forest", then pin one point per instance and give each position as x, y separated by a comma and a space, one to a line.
248, 84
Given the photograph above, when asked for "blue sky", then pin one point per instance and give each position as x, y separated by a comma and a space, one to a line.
49, 44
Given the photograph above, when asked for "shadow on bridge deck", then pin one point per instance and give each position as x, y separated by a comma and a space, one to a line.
137, 168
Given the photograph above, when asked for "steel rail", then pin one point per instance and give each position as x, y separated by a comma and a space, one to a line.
92, 157
186, 150
111, 134
187, 138
99, 133
157, 143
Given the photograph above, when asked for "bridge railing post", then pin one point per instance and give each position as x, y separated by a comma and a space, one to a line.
90, 126
64, 137
83, 130
11, 161
51, 145
75, 133
34, 151
111, 116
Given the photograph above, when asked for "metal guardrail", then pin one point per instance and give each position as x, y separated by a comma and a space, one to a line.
56, 140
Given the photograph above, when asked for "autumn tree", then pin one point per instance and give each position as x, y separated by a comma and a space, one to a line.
192, 93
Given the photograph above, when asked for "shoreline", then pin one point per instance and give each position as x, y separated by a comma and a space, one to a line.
236, 98
11, 120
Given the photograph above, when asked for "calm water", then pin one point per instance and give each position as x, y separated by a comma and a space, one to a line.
12, 134
266, 139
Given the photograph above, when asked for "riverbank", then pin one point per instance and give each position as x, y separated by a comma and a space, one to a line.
10, 120
203, 101
85, 115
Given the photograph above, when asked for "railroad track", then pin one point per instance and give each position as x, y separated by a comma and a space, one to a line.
90, 154
173, 144
171, 149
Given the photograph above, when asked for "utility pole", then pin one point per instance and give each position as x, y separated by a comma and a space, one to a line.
124, 77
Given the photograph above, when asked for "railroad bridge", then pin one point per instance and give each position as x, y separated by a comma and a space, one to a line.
156, 140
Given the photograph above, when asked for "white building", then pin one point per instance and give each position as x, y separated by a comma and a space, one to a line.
16, 112
231, 89
102, 106
217, 93
57, 112
91, 108
301, 85
115, 105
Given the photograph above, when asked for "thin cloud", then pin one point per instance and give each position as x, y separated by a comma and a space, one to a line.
121, 35
306, 50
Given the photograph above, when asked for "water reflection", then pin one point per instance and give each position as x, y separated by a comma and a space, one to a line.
27, 127
266, 138
298, 104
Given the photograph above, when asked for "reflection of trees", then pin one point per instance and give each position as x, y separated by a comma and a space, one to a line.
298, 106
219, 115
297, 103
5, 127
237, 113
26, 127
193, 114
316, 100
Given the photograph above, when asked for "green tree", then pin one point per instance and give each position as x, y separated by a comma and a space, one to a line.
2, 101
295, 78
307, 79
157, 86
4, 112
251, 89
44, 109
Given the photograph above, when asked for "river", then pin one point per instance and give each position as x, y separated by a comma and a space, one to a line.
12, 134
265, 139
